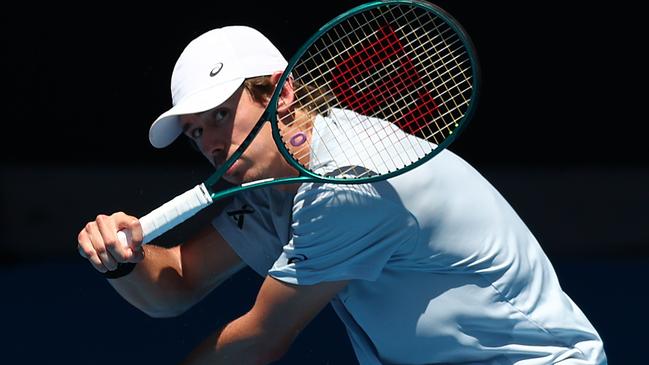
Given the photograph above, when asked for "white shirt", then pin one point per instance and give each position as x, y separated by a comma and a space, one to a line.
440, 267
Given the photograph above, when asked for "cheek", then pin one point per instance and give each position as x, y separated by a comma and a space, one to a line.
266, 139
248, 114
242, 128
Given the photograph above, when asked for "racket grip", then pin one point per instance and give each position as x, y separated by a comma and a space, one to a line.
170, 214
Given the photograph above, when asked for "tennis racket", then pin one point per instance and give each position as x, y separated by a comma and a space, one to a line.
406, 75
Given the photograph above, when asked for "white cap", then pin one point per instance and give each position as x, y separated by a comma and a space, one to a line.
210, 69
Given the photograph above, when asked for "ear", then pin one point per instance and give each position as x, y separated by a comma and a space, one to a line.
287, 96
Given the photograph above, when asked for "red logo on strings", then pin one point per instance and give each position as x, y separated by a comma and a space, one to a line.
359, 65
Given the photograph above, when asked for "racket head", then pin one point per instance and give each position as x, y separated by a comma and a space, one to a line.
409, 63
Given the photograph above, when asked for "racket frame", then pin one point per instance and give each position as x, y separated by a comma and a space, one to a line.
270, 114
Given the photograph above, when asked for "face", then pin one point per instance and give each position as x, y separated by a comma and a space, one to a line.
220, 131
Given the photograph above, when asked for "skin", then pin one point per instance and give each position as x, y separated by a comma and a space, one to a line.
219, 132
168, 281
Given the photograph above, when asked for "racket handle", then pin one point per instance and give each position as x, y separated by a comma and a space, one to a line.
170, 214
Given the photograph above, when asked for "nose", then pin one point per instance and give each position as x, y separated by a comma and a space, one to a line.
213, 146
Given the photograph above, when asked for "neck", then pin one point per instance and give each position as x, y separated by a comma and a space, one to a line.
296, 134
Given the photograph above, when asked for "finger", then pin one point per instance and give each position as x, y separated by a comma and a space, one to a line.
99, 246
138, 255
97, 264
132, 224
108, 229
87, 251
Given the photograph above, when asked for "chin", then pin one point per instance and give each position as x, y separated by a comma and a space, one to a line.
233, 180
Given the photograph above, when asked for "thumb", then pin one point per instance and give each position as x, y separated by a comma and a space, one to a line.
134, 248
138, 255
125, 238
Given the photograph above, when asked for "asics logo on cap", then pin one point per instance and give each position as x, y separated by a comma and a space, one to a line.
216, 69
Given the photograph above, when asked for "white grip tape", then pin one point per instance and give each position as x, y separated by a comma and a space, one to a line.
171, 214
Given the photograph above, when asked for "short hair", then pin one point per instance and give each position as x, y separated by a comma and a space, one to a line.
310, 98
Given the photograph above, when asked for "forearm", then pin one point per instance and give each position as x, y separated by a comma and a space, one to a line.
266, 332
156, 285
236, 343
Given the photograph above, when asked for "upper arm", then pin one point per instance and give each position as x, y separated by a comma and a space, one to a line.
206, 260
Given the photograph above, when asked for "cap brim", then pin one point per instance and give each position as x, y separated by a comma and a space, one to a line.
166, 128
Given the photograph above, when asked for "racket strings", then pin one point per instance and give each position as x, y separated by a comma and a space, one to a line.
389, 108
360, 148
440, 129
323, 74
352, 31
350, 152
448, 70
384, 148
329, 55
465, 79
439, 64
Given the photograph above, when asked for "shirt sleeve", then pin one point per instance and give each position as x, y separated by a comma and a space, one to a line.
256, 225
343, 232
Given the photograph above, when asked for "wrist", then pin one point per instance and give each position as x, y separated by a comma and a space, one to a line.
123, 269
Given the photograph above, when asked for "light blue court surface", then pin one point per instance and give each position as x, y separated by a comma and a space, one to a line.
63, 312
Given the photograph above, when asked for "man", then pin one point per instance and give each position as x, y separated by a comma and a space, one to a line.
432, 266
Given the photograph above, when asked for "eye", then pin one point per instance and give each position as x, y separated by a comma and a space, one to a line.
195, 133
220, 115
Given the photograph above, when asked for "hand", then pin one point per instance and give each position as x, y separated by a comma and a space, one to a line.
98, 242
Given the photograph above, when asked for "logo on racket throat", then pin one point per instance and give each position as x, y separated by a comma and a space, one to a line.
216, 69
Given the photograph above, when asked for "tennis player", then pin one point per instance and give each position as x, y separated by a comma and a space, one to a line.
429, 267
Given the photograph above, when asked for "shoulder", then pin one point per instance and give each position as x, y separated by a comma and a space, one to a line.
348, 196
335, 207
343, 232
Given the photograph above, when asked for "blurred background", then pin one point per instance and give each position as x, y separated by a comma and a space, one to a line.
558, 131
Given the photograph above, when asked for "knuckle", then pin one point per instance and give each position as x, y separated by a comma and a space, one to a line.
90, 226
110, 244
133, 224
101, 250
85, 251
119, 215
